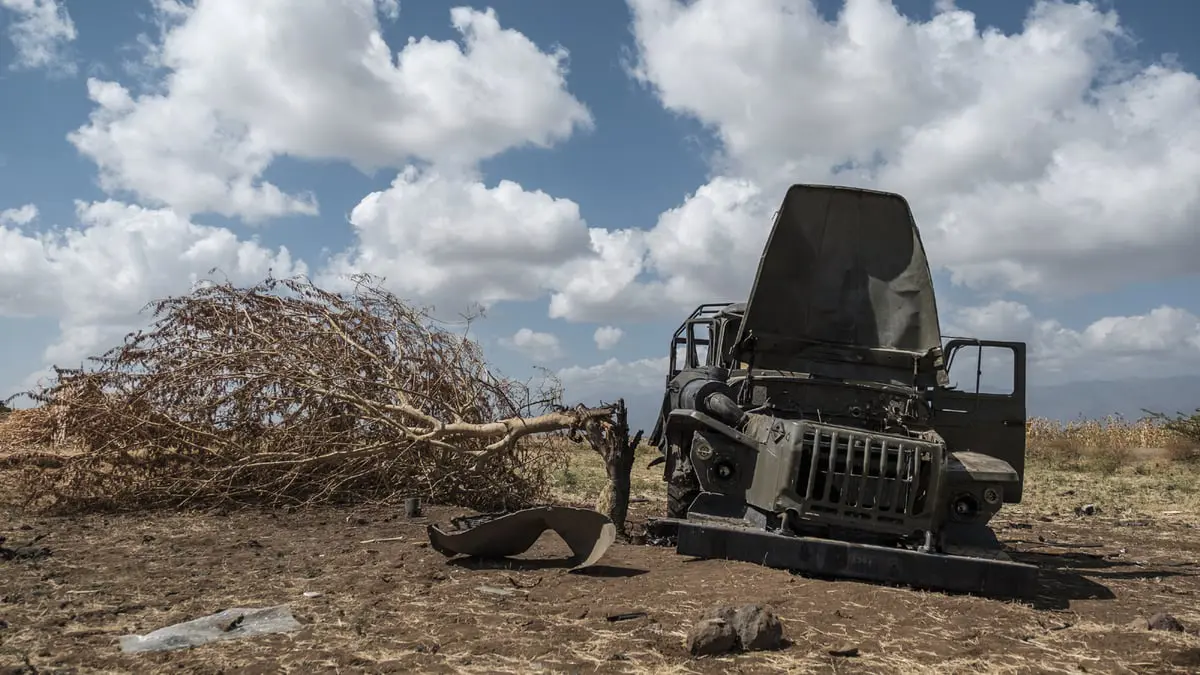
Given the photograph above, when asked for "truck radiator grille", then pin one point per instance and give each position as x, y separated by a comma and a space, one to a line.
851, 474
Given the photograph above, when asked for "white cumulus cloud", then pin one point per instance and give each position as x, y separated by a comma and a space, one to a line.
614, 378
390, 9
535, 345
21, 215
246, 82
449, 238
704, 250
40, 31
1164, 341
607, 337
1039, 161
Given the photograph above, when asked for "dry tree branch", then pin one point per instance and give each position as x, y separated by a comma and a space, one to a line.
286, 392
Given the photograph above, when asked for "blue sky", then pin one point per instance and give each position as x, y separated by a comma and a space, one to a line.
1043, 131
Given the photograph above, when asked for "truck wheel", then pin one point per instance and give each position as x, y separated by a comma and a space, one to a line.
682, 487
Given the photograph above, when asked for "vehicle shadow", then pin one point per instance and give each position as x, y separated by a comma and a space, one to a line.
1076, 575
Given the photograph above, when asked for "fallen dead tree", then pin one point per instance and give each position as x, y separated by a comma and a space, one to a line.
288, 393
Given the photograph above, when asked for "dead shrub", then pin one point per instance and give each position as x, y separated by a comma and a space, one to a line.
287, 393
1185, 447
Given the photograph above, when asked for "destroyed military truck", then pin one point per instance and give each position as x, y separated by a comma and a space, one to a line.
816, 427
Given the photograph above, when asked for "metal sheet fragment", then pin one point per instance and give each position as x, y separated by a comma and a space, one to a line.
586, 532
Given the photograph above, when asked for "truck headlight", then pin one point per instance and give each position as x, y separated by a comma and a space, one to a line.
723, 470
965, 506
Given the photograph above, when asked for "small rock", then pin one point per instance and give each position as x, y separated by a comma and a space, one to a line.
845, 651
313, 594
24, 553
1164, 621
710, 637
1087, 510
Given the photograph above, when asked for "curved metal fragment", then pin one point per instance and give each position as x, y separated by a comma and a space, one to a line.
586, 532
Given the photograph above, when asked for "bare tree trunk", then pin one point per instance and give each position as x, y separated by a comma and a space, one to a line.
612, 441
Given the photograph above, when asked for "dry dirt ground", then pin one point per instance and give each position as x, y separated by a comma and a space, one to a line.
399, 606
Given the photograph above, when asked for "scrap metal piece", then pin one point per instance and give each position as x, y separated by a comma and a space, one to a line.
586, 532
230, 624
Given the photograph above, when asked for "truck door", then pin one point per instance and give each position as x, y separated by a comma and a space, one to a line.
983, 408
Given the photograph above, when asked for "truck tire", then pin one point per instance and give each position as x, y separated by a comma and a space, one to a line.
682, 486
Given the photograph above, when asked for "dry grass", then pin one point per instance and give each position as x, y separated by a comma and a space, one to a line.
582, 478
1111, 431
1156, 489
1129, 469
1104, 446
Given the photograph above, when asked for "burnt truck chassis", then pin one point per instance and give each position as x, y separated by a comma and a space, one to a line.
847, 503
840, 466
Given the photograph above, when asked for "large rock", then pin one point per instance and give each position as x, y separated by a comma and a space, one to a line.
753, 628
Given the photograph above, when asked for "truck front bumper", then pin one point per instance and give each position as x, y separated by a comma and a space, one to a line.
830, 557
